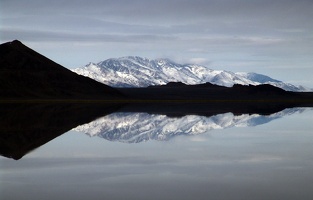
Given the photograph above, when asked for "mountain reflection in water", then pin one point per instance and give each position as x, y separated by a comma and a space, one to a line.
139, 127
25, 127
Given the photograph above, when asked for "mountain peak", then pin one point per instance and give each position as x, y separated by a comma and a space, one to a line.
15, 42
7, 47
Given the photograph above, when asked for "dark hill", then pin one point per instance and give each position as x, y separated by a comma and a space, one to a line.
175, 91
26, 74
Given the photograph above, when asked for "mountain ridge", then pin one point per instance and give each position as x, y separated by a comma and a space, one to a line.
135, 71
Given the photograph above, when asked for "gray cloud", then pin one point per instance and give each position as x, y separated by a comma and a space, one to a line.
166, 17
59, 36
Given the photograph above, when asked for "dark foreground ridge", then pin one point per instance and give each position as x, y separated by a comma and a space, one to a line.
26, 74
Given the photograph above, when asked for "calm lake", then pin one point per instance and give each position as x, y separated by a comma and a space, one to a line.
136, 155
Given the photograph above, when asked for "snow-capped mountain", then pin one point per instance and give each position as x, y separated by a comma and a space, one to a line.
138, 127
142, 72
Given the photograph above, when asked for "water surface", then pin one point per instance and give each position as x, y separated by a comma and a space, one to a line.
223, 156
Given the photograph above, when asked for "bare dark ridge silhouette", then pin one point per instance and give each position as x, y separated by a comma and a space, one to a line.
26, 74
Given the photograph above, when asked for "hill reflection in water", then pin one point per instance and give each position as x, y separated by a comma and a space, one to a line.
25, 127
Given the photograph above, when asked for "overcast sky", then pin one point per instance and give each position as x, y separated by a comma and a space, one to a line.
272, 37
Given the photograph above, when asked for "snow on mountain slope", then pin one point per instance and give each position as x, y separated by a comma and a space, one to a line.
139, 127
142, 72
262, 79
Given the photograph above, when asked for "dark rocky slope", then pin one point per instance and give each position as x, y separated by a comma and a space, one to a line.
26, 74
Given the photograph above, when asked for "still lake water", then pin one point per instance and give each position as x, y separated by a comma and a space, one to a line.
145, 156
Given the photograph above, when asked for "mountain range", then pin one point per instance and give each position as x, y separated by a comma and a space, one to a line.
139, 127
135, 71
28, 75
